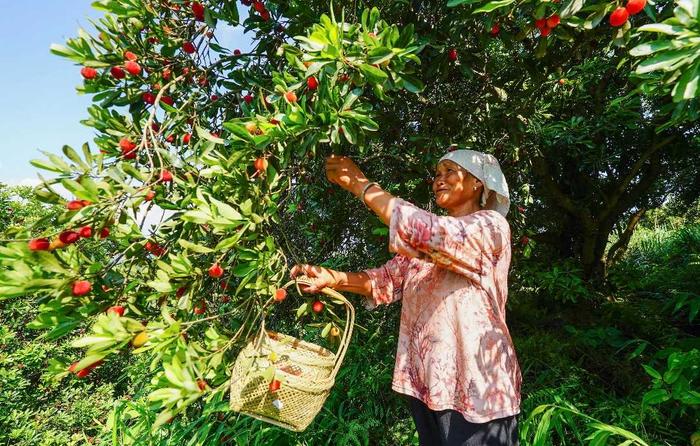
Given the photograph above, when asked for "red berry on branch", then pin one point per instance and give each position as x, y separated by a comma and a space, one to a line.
167, 100
553, 21
88, 72
39, 244
126, 144
128, 55
170, 139
291, 97
188, 47
214, 98
216, 271
635, 6
85, 232
545, 31
186, 138
248, 98
280, 294
118, 310
117, 73
541, 23
148, 98
166, 176
74, 205
265, 15
150, 195
236, 52
259, 6
133, 68
317, 306
104, 232
312, 83
495, 29
618, 17
260, 164
81, 287
524, 240
452, 54
198, 11
200, 308
69, 237
201, 384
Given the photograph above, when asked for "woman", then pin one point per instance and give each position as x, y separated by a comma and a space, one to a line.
455, 361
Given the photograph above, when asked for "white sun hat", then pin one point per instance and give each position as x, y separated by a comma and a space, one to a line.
485, 167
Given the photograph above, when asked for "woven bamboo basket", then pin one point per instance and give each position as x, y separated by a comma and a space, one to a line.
305, 371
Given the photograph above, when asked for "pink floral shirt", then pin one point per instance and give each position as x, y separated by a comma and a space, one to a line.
451, 273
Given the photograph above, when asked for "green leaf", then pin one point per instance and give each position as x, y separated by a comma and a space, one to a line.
687, 85
570, 8
656, 396
373, 74
661, 28
379, 55
244, 269
194, 247
41, 164
667, 61
651, 47
453, 3
651, 371
412, 83
73, 156
490, 6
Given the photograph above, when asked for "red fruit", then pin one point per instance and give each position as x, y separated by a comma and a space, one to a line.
224, 285
81, 287
129, 154
344, 77
201, 384
186, 138
188, 47
312, 83
128, 55
495, 29
317, 306
216, 271
166, 75
88, 72
148, 98
214, 98
167, 99
200, 308
118, 310
236, 52
225, 299
635, 6
290, 96
69, 237
260, 164
166, 176
274, 121
74, 205
133, 68
275, 385
117, 73
452, 54
104, 233
248, 98
524, 240
544, 32
39, 244
126, 144
198, 11
86, 202
553, 21
170, 139
619, 16
280, 294
541, 23
83, 373
180, 291
521, 209
73, 366
265, 15
259, 6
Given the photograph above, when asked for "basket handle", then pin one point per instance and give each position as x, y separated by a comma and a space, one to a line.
349, 319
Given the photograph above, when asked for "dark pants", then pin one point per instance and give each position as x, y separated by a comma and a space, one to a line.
449, 428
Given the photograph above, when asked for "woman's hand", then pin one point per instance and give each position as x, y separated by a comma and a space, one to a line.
320, 277
343, 171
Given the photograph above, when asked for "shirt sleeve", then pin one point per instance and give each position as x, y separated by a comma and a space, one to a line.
387, 282
468, 245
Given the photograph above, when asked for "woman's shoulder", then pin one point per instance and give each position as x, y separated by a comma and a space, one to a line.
493, 218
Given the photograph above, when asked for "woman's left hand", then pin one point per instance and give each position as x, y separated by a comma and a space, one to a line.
343, 171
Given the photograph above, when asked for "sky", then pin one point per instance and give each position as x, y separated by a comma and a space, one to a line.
40, 108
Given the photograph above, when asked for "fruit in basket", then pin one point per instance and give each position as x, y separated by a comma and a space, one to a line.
317, 306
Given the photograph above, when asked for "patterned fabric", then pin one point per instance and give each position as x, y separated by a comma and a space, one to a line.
451, 273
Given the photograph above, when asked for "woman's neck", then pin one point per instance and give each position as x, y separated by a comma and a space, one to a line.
464, 209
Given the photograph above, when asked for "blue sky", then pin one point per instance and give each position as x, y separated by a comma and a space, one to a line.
39, 106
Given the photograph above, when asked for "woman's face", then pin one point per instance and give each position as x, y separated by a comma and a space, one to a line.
453, 186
